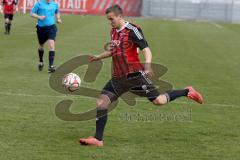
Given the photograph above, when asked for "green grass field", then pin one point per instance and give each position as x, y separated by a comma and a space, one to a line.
199, 54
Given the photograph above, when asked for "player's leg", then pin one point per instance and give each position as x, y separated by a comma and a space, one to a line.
10, 18
51, 56
9, 26
6, 23
102, 113
42, 38
40, 55
101, 119
143, 86
169, 96
52, 33
107, 96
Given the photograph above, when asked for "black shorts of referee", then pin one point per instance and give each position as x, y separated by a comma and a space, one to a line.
46, 33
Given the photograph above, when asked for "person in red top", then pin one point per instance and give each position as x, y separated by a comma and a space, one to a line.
128, 73
8, 11
124, 49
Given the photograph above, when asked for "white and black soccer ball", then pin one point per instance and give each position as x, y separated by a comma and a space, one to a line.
71, 82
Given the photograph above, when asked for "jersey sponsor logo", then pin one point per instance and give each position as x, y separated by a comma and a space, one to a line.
115, 43
122, 34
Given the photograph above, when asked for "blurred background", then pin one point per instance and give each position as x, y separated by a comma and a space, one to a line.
213, 10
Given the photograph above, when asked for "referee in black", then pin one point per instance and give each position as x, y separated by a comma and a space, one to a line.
47, 13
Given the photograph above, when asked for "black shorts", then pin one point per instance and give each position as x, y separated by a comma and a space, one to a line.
45, 33
8, 16
137, 83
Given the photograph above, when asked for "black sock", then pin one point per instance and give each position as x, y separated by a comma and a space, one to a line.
51, 58
174, 94
40, 54
9, 27
6, 27
100, 123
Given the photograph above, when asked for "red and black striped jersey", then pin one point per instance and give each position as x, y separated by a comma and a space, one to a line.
8, 6
124, 49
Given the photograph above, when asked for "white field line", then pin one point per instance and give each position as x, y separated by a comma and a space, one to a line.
82, 97
24, 33
216, 25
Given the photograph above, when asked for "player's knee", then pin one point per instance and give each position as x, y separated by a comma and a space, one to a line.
160, 100
52, 48
102, 102
41, 46
51, 45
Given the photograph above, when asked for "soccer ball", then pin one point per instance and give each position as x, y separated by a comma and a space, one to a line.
71, 82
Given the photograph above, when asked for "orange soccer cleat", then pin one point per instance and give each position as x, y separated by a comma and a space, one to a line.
91, 141
194, 95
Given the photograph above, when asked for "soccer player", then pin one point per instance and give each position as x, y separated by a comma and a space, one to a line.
8, 10
128, 73
46, 12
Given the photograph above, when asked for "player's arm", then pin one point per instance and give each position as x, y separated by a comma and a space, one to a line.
103, 55
148, 61
138, 38
34, 12
57, 15
16, 5
1, 11
34, 15
1, 6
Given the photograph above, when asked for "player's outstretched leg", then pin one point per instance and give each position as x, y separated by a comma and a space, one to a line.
40, 55
51, 44
102, 105
189, 92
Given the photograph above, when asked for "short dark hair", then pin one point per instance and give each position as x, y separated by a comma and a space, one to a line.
116, 9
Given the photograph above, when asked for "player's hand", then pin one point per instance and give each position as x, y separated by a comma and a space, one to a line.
149, 72
59, 20
1, 11
93, 58
41, 17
